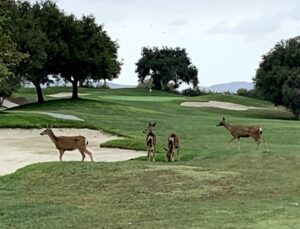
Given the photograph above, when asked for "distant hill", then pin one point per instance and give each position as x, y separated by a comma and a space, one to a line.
61, 83
231, 87
116, 86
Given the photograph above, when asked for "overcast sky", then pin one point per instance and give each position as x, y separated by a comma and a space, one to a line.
224, 39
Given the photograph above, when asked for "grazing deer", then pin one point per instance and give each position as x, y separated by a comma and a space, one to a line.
239, 131
150, 141
173, 143
64, 143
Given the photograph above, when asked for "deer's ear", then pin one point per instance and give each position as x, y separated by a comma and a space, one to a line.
165, 149
223, 119
149, 124
154, 124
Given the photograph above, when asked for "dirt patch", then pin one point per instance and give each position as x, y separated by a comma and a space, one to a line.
22, 147
218, 104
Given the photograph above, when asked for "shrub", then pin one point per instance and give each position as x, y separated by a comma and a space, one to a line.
194, 92
242, 92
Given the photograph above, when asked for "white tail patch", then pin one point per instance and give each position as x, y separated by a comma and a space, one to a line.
260, 130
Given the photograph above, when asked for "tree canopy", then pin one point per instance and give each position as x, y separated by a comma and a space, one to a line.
89, 52
61, 45
10, 57
165, 65
278, 77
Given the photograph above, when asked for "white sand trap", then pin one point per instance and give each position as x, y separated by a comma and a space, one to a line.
65, 94
9, 104
61, 116
22, 147
218, 104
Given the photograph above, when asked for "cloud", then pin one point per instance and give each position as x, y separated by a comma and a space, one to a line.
178, 22
257, 26
260, 25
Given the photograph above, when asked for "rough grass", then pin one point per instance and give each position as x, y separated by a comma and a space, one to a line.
213, 186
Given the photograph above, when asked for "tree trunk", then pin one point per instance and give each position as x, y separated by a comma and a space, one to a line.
75, 88
162, 85
1, 101
39, 93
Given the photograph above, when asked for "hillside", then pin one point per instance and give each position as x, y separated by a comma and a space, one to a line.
213, 185
230, 87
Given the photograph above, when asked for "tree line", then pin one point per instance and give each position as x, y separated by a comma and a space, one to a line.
38, 40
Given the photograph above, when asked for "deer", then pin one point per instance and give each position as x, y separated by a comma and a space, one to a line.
239, 131
173, 143
150, 141
69, 143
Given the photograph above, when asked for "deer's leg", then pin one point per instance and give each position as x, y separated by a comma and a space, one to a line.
230, 141
257, 141
152, 149
149, 155
265, 143
178, 158
82, 154
89, 153
61, 153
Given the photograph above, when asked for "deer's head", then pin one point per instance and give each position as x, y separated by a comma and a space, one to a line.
149, 129
47, 131
222, 123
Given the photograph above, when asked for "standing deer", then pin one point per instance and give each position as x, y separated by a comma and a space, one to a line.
150, 141
64, 143
239, 131
173, 143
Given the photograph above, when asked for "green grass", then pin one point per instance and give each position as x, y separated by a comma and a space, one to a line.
213, 186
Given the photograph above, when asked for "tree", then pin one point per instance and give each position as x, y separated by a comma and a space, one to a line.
9, 55
276, 78
89, 52
31, 39
165, 65
8, 86
60, 44
291, 93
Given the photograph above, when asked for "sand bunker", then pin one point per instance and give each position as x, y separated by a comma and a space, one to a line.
65, 94
61, 116
8, 104
22, 147
218, 104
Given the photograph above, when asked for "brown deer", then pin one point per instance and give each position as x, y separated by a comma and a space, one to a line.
173, 143
64, 143
150, 141
239, 131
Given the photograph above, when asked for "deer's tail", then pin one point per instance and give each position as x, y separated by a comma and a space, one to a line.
86, 143
260, 131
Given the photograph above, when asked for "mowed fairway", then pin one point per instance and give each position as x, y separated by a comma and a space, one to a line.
213, 186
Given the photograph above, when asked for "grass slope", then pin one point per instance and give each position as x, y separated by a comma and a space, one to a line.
213, 186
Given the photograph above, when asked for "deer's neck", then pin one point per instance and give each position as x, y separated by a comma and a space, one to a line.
227, 126
52, 137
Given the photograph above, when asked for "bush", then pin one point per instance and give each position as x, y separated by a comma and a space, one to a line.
242, 92
194, 92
